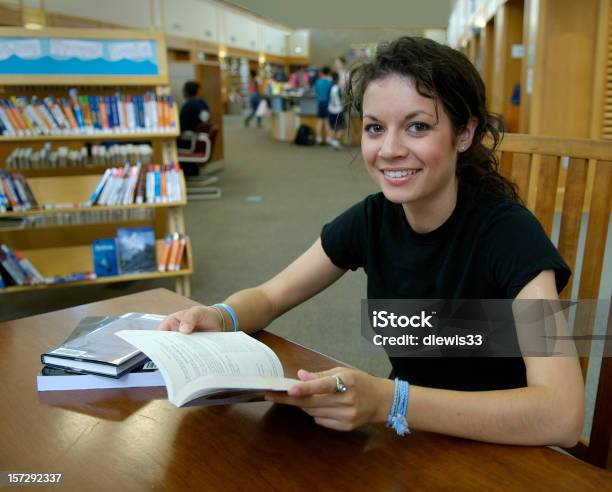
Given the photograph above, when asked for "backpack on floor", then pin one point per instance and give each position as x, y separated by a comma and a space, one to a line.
304, 136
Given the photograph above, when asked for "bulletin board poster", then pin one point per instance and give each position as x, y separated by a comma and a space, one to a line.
70, 56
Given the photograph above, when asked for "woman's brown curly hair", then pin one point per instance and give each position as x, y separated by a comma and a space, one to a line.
447, 76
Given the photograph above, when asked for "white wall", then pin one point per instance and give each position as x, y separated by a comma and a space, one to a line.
202, 20
129, 13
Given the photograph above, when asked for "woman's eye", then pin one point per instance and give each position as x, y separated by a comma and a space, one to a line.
418, 127
373, 129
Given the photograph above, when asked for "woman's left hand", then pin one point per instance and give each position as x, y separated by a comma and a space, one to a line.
364, 401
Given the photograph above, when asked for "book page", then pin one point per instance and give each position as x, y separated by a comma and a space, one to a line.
203, 362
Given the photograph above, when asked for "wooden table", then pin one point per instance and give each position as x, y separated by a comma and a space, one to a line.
133, 439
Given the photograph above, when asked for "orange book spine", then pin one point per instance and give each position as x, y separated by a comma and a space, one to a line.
103, 116
163, 264
160, 113
10, 114
69, 115
181, 252
164, 186
165, 112
24, 116
174, 249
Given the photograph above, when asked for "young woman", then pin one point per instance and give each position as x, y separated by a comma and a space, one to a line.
446, 225
254, 98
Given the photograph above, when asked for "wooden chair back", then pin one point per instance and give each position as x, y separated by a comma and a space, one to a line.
573, 177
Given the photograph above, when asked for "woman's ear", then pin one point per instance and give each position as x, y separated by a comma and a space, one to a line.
465, 138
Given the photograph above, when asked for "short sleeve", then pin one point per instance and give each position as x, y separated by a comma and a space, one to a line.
519, 249
344, 239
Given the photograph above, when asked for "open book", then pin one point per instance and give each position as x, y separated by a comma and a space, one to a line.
205, 364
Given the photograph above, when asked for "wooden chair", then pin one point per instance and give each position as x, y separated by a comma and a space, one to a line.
573, 177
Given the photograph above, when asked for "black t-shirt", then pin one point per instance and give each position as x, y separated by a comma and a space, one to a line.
190, 114
489, 248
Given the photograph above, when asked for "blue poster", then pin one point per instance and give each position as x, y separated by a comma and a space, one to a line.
68, 56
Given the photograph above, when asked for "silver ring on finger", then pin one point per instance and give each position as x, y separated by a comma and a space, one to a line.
340, 386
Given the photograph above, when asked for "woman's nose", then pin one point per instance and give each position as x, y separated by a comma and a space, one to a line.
392, 147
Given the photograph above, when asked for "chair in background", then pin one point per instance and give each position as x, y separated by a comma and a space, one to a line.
537, 165
195, 149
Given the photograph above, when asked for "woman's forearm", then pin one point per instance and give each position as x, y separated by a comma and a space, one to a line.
525, 416
253, 308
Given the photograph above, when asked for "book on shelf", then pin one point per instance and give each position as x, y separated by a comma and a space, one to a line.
136, 184
206, 365
90, 155
98, 351
104, 253
86, 114
59, 218
16, 269
136, 249
173, 252
15, 193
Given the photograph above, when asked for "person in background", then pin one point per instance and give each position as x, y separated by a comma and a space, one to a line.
445, 225
254, 98
195, 109
343, 73
335, 123
322, 89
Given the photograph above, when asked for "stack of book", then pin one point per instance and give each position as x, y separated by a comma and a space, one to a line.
138, 184
16, 269
86, 114
90, 155
94, 349
15, 193
173, 253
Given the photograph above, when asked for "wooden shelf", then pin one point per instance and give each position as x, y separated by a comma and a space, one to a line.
90, 137
77, 189
95, 208
58, 250
46, 172
80, 259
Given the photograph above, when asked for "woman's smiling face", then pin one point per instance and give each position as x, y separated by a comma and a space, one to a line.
408, 145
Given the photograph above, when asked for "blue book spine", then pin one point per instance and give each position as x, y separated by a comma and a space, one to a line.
78, 114
141, 111
115, 111
157, 185
109, 111
95, 114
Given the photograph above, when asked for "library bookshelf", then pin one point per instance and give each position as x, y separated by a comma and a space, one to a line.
60, 249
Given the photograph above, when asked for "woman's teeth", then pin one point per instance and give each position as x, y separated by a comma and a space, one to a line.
401, 174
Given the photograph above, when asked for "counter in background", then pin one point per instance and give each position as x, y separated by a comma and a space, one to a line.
290, 110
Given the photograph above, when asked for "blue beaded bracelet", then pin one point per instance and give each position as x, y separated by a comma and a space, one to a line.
397, 416
231, 312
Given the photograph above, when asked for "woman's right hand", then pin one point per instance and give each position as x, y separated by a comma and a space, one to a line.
201, 318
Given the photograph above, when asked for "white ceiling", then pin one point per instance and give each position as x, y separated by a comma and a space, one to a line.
346, 14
